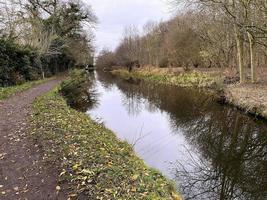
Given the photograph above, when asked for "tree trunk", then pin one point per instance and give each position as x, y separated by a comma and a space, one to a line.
42, 71
43, 75
240, 53
251, 50
38, 59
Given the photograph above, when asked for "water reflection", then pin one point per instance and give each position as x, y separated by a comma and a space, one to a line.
214, 152
233, 162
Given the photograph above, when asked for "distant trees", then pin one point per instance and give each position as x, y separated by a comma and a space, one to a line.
245, 18
182, 43
208, 33
130, 46
106, 58
53, 29
242, 21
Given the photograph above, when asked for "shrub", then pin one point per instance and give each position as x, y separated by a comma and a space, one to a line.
22, 63
16, 64
16, 78
164, 62
76, 90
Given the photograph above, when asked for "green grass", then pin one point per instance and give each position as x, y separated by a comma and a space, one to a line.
92, 160
185, 79
6, 92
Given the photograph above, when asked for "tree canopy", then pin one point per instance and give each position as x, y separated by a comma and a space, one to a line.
58, 33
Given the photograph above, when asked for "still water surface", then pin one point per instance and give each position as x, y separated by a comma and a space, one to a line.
210, 151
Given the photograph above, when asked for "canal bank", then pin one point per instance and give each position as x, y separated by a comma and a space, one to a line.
210, 151
251, 98
90, 158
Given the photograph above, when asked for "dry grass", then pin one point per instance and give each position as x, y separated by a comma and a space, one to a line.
251, 98
177, 77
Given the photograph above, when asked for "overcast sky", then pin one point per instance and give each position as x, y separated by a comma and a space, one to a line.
114, 15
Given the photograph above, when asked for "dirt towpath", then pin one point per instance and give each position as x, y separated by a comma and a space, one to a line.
23, 174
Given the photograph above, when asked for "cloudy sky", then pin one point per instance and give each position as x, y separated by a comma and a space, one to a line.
114, 15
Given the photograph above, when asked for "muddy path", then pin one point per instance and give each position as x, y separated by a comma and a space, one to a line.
23, 174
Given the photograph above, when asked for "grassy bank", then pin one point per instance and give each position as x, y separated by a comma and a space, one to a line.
92, 160
6, 92
183, 79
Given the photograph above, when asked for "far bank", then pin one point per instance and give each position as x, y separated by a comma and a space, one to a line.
251, 98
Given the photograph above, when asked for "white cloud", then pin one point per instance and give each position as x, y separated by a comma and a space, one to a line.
114, 15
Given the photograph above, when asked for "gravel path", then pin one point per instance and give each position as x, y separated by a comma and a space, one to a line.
23, 174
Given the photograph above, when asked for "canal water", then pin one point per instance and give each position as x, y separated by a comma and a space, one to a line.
211, 151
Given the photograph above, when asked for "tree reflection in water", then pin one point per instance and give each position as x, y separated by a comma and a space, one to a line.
233, 162
231, 147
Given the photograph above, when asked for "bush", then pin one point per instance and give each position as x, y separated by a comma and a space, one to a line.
164, 62
16, 78
22, 63
16, 64
76, 90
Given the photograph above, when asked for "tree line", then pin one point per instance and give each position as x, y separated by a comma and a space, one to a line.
39, 38
205, 33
